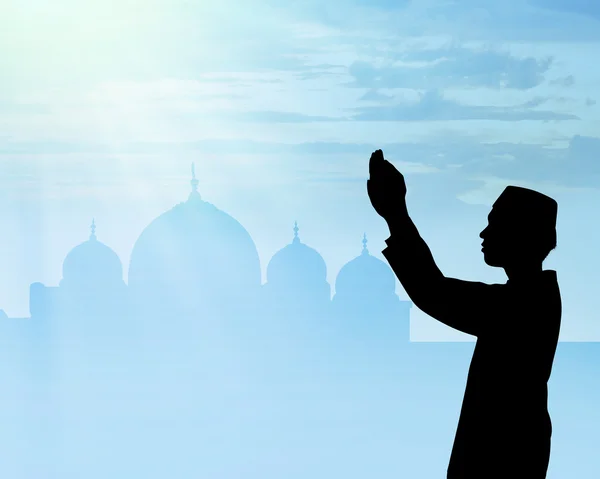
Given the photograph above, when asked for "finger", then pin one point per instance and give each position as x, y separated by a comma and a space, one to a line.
376, 161
377, 156
373, 166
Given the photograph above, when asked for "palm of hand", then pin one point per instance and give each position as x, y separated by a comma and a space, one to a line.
386, 186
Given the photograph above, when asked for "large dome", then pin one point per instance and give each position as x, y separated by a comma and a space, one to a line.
192, 255
296, 264
365, 275
91, 263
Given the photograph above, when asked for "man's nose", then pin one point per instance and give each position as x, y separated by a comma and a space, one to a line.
482, 233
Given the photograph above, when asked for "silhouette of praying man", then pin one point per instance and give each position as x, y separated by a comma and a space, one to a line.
504, 428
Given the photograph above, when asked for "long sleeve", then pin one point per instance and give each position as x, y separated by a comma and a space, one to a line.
470, 307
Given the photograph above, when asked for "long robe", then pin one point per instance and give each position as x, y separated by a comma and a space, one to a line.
504, 430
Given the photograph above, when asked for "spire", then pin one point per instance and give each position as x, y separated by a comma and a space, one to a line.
93, 228
364, 242
194, 182
296, 238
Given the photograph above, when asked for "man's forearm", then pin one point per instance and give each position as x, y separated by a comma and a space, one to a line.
408, 254
400, 224
455, 303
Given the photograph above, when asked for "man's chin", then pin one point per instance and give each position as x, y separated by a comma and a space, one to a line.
490, 260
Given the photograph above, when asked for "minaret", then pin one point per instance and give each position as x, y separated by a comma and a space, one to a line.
194, 195
296, 238
364, 242
93, 228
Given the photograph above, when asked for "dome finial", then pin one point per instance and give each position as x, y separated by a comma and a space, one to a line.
364, 243
296, 238
93, 228
194, 182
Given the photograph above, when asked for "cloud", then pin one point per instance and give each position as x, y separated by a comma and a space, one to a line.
466, 161
575, 166
515, 21
11, 147
454, 164
567, 81
581, 7
311, 72
216, 146
375, 96
451, 67
433, 107
454, 167
583, 154
281, 117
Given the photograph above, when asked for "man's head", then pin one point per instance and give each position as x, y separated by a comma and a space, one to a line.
521, 228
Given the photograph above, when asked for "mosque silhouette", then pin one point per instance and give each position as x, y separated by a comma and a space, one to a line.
196, 261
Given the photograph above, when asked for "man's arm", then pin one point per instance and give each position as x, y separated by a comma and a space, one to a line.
463, 305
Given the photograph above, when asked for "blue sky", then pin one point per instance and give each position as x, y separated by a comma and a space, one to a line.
103, 107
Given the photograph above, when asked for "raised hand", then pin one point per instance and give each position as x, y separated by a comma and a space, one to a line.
386, 186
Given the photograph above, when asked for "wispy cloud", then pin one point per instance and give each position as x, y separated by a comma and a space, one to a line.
450, 67
433, 106
580, 7
281, 117
567, 81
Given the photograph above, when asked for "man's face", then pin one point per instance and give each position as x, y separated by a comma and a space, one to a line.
501, 240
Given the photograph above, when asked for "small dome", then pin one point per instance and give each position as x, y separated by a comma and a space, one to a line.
296, 263
365, 274
92, 262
